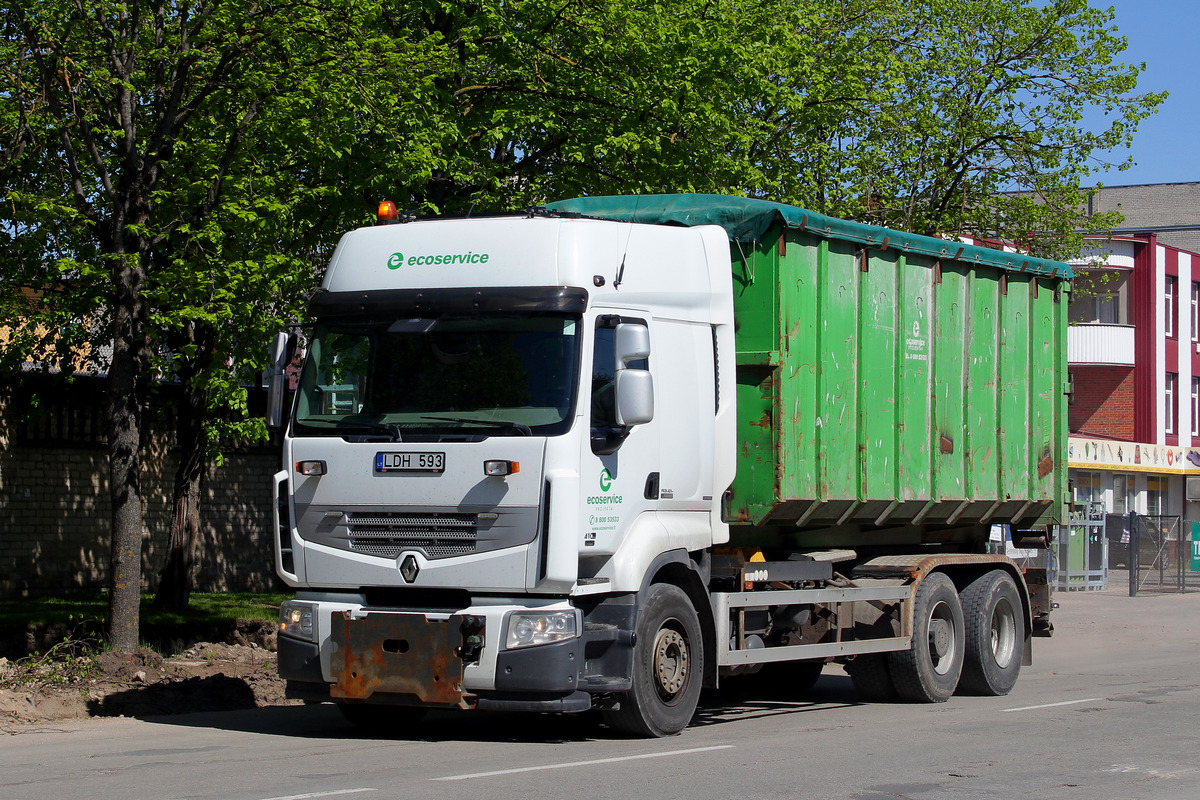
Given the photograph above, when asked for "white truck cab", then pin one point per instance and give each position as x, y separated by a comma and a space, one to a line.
501, 425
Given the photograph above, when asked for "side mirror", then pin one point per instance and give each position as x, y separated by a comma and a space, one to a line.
276, 384
635, 397
634, 385
631, 342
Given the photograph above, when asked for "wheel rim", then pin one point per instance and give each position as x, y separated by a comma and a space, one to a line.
1004, 633
942, 644
672, 663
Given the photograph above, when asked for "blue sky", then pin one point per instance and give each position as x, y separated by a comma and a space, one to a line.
1162, 34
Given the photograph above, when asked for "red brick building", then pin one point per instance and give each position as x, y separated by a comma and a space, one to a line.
1134, 362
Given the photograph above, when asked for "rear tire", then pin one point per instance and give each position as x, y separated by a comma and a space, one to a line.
381, 720
668, 667
928, 672
995, 635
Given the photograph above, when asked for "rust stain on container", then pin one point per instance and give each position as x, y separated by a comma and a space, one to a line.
1045, 464
945, 444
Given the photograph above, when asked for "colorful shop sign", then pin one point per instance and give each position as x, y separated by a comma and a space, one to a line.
1131, 456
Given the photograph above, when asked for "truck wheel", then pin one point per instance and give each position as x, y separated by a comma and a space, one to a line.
668, 667
381, 720
928, 672
995, 635
872, 676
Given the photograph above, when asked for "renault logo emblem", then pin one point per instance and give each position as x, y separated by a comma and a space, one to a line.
409, 568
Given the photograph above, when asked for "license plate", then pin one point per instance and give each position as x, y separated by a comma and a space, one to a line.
410, 462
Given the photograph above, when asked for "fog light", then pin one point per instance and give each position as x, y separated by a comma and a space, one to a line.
494, 469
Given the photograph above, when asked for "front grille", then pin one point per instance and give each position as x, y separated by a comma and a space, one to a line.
438, 535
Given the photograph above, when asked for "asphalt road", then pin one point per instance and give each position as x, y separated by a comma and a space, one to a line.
1110, 709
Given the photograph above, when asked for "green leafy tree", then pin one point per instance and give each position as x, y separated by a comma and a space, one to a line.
540, 99
148, 149
974, 122
942, 116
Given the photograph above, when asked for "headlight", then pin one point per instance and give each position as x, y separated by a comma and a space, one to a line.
528, 630
298, 620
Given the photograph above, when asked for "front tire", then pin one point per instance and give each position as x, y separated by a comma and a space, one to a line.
928, 672
668, 667
995, 635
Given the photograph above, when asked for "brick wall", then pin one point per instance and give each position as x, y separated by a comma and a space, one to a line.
1103, 402
55, 513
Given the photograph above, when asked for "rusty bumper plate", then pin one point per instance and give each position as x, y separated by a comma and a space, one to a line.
398, 654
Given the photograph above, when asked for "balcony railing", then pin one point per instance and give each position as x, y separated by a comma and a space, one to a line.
1094, 343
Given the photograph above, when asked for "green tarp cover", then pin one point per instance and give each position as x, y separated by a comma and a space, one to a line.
747, 219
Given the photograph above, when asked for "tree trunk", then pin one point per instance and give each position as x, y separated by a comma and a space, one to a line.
175, 587
124, 458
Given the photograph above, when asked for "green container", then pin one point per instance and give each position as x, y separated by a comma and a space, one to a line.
902, 386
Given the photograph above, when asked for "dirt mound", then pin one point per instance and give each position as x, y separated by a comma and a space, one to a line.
204, 677
19, 642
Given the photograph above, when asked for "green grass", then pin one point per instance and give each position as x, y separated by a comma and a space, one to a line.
204, 607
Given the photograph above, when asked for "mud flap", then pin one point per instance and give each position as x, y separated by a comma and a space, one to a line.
399, 654
1040, 602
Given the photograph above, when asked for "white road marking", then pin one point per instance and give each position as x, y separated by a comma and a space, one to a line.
581, 763
1150, 771
321, 794
1055, 705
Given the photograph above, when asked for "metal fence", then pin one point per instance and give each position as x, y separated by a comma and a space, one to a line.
1116, 532
1159, 554
1081, 563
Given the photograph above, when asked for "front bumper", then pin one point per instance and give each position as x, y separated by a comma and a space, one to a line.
433, 659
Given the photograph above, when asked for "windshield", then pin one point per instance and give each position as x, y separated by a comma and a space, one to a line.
409, 379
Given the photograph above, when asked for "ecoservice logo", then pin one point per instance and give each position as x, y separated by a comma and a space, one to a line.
397, 260
605, 499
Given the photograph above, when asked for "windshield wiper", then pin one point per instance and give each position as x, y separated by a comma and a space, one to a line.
389, 429
519, 427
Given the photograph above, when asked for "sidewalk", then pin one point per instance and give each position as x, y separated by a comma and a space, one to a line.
1118, 583
1090, 627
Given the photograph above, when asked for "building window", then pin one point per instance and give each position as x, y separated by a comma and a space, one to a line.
1195, 311
1169, 305
1156, 496
1195, 406
1087, 488
1122, 488
1100, 296
1169, 407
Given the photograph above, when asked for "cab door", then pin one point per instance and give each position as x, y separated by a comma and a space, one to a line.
620, 470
